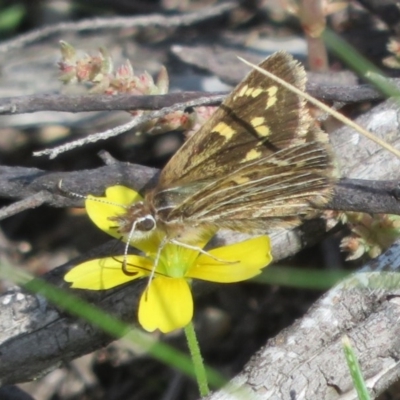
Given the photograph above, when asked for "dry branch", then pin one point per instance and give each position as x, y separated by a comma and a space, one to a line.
306, 360
97, 102
95, 24
36, 187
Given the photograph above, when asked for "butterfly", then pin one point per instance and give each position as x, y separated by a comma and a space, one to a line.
258, 164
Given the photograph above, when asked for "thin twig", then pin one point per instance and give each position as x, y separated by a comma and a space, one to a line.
120, 22
100, 102
52, 153
33, 201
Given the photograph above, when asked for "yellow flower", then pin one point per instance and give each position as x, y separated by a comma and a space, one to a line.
167, 302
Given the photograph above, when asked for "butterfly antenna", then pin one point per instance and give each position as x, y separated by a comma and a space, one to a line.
156, 261
67, 192
127, 244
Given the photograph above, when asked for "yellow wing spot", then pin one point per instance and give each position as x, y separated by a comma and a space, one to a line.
242, 91
260, 127
262, 130
252, 155
272, 90
256, 92
224, 130
249, 91
257, 121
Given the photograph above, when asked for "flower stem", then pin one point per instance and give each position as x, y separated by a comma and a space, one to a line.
197, 360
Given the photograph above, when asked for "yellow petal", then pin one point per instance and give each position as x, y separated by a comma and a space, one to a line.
106, 273
100, 209
123, 195
167, 304
247, 259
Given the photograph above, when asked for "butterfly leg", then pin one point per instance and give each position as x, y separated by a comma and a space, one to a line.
164, 241
200, 250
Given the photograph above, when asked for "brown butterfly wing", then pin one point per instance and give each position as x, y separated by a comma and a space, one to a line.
257, 163
279, 189
259, 114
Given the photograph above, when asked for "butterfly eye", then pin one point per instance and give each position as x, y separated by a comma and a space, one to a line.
146, 223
